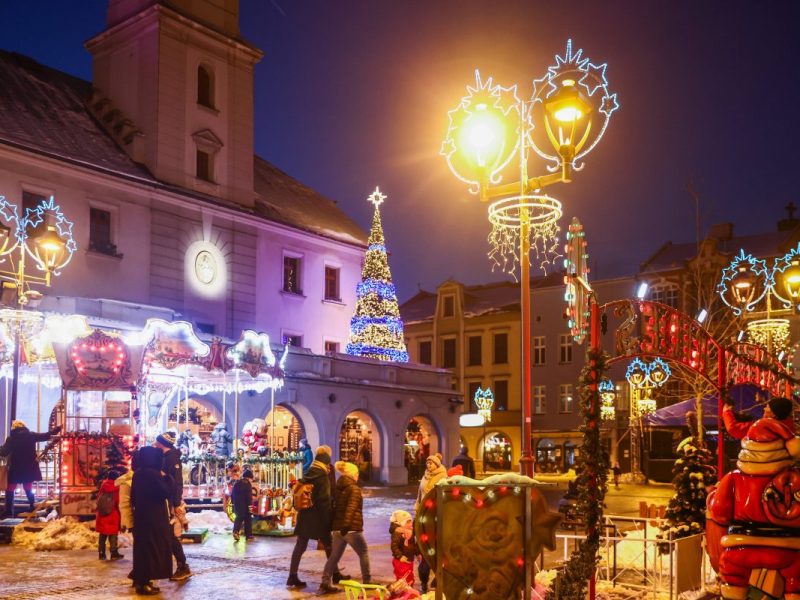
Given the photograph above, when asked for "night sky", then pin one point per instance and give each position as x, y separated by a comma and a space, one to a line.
351, 95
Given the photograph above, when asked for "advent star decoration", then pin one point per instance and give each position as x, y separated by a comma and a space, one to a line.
376, 329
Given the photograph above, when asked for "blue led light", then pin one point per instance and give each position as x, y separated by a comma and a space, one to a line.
384, 289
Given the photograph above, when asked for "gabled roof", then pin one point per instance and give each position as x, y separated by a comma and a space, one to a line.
674, 256
44, 111
478, 299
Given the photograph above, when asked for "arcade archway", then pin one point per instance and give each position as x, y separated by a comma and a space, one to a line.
421, 440
496, 452
194, 420
286, 431
360, 444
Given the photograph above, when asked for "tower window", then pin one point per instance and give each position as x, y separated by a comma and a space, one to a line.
204, 166
205, 87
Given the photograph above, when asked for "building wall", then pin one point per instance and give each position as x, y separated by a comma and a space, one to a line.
547, 320
158, 234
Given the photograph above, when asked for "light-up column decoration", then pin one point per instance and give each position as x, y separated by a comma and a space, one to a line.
566, 116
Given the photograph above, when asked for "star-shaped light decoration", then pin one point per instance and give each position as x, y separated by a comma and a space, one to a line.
377, 197
595, 78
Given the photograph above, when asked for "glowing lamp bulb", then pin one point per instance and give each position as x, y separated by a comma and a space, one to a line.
791, 280
568, 114
483, 136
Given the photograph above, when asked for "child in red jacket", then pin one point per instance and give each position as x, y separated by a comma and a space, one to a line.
401, 529
108, 516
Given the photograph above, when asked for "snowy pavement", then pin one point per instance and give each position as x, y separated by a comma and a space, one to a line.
227, 570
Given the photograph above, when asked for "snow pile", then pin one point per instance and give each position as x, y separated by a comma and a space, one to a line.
606, 591
59, 534
215, 521
557, 477
497, 479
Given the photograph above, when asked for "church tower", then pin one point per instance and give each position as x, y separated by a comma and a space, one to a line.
173, 85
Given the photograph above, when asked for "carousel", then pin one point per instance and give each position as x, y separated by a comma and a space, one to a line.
119, 389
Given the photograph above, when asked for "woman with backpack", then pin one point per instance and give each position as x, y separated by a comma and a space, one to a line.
108, 517
313, 522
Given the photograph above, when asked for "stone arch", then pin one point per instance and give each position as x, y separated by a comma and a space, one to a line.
422, 438
496, 451
308, 426
368, 448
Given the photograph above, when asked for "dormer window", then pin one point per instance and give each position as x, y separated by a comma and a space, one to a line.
205, 87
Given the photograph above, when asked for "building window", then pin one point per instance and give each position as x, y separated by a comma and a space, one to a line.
448, 307
449, 353
539, 397
296, 341
291, 275
500, 348
100, 231
204, 170
331, 347
665, 294
537, 347
474, 350
565, 348
425, 357
565, 398
332, 284
205, 87
500, 390
472, 387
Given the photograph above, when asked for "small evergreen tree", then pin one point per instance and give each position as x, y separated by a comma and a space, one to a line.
693, 473
376, 329
116, 459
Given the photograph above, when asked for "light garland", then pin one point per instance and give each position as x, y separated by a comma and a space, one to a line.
576, 264
376, 328
747, 281
772, 334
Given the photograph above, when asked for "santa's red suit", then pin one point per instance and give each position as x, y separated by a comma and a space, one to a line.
757, 504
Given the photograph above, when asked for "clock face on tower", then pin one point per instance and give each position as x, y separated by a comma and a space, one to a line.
205, 267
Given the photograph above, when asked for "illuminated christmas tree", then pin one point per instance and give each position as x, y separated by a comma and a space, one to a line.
376, 329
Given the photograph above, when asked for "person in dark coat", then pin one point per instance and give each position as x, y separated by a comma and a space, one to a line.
152, 533
173, 468
348, 526
466, 462
308, 455
314, 523
23, 467
242, 498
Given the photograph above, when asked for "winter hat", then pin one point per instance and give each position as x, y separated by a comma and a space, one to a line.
401, 517
167, 439
780, 407
323, 454
17, 425
248, 474
436, 459
768, 447
346, 468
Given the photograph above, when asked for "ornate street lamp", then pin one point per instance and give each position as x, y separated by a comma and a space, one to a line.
42, 237
643, 378
608, 396
564, 119
750, 287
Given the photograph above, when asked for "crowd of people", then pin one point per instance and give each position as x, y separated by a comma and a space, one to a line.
147, 501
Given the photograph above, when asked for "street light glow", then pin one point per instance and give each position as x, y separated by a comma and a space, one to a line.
642, 291
701, 316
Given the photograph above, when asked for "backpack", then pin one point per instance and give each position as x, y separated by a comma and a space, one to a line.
301, 496
105, 504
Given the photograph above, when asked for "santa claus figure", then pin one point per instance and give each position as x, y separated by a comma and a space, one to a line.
756, 510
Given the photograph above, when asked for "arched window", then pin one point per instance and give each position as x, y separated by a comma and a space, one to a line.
205, 87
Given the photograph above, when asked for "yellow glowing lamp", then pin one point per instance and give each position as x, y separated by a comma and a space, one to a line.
482, 137
743, 286
49, 249
791, 280
567, 105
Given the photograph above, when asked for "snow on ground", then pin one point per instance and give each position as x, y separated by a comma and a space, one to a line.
215, 521
62, 534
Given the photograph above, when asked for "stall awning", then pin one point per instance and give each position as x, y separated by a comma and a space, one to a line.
745, 399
